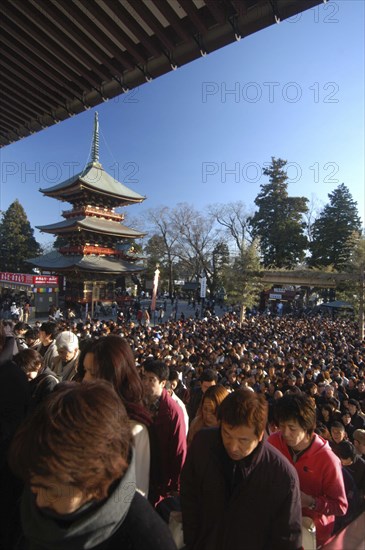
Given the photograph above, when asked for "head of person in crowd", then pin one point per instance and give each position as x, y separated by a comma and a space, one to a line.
65, 472
346, 452
296, 417
351, 383
20, 328
346, 418
30, 361
47, 333
323, 431
208, 378
67, 344
327, 413
211, 400
311, 389
353, 406
174, 379
155, 376
338, 432
359, 441
111, 358
329, 391
243, 417
32, 337
278, 395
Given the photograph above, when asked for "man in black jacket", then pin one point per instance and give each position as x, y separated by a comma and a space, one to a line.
237, 490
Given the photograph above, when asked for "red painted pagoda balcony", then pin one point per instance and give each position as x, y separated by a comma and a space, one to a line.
93, 211
84, 250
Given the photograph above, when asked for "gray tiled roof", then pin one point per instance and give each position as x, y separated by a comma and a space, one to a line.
54, 261
91, 223
96, 179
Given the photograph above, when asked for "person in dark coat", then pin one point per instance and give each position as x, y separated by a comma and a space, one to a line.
236, 488
76, 457
42, 380
7, 343
14, 404
209, 377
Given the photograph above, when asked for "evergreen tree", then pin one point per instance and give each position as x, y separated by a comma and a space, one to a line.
334, 229
278, 222
17, 242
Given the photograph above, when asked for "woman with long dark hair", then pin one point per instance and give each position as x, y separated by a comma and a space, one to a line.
111, 358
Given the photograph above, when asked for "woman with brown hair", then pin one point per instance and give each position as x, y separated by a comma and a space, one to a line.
207, 413
111, 358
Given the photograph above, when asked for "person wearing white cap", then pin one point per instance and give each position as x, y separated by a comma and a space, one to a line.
65, 364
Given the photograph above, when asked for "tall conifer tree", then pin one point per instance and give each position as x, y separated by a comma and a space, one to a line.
334, 230
278, 222
17, 241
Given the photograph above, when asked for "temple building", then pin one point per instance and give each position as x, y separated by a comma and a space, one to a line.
95, 248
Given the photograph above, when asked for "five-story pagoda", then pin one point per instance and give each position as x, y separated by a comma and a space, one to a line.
96, 247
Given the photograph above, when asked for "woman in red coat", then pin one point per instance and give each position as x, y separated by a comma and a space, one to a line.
319, 469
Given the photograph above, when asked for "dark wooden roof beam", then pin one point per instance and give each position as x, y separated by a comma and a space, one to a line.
239, 7
46, 27
123, 16
94, 33
193, 14
53, 55
33, 101
79, 38
4, 114
9, 126
17, 104
217, 11
40, 57
174, 20
21, 74
153, 23
36, 68
18, 27
108, 26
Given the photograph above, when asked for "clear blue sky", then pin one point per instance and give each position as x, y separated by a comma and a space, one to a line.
297, 92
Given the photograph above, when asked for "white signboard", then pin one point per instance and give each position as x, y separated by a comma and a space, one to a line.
275, 296
203, 287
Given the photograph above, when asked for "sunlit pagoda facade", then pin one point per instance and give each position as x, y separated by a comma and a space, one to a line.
97, 251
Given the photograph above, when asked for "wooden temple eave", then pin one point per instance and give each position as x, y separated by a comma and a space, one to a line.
83, 193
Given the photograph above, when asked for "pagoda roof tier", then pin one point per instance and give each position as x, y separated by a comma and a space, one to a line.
92, 224
54, 261
96, 181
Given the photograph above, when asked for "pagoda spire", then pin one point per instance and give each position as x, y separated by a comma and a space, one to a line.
95, 142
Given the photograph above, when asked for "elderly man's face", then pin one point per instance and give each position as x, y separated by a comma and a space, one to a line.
65, 354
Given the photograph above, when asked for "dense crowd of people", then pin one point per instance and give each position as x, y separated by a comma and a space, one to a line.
269, 388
